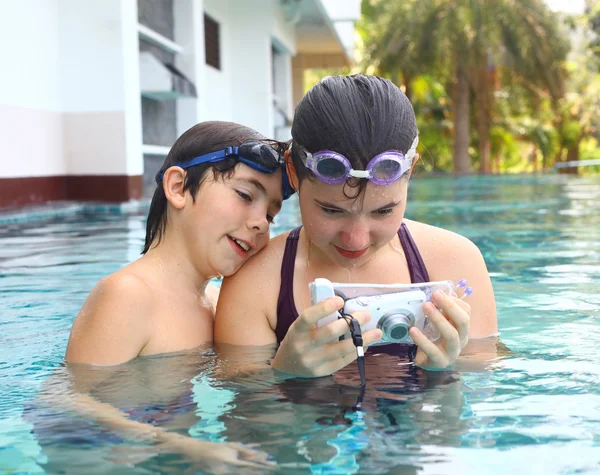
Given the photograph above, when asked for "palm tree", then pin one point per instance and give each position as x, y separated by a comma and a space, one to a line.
474, 43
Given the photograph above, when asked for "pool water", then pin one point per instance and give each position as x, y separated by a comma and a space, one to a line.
534, 409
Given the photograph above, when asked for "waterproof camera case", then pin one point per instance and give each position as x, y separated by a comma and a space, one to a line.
394, 308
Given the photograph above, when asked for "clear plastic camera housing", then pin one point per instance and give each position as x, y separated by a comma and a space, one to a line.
393, 308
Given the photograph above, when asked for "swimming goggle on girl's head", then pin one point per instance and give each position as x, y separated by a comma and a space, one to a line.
384, 169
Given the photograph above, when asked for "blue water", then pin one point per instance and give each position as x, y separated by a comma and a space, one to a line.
534, 409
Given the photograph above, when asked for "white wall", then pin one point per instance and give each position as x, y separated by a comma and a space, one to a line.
189, 33
242, 90
100, 87
91, 50
29, 47
30, 102
218, 103
69, 88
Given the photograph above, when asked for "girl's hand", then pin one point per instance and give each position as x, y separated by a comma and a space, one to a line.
308, 350
452, 319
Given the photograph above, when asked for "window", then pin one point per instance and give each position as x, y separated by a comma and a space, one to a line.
211, 42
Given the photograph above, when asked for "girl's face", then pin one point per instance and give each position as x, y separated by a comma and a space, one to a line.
350, 231
230, 219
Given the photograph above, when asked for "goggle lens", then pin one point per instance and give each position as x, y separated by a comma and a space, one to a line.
261, 154
386, 169
331, 168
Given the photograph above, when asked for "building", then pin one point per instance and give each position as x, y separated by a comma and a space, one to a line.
94, 92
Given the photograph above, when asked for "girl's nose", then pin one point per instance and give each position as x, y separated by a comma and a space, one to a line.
355, 239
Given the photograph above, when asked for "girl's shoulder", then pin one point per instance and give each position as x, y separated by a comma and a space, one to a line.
435, 237
441, 248
269, 258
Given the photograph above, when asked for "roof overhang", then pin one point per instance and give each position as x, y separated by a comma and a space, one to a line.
321, 31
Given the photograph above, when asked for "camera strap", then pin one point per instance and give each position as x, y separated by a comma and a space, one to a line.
357, 339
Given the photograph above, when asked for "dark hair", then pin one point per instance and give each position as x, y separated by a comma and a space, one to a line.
202, 138
358, 116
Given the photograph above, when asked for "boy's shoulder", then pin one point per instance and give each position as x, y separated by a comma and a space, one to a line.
125, 285
113, 324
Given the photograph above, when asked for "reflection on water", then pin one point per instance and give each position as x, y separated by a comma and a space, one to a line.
534, 408
304, 424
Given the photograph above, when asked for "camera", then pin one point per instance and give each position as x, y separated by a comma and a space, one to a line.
394, 308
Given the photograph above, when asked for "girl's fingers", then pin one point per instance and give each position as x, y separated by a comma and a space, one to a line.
463, 305
340, 354
334, 330
435, 356
345, 347
457, 311
307, 320
449, 334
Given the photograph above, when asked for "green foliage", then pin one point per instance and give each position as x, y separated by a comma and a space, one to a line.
518, 43
571, 133
592, 14
589, 150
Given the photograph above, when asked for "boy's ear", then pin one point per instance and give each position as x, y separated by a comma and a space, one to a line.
173, 185
291, 170
412, 167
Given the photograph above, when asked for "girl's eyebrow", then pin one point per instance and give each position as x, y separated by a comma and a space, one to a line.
323, 204
391, 204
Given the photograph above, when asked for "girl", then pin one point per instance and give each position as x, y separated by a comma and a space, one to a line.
353, 148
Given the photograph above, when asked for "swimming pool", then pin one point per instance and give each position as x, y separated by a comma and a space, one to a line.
536, 410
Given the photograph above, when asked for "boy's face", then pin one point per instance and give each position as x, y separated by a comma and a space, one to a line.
229, 221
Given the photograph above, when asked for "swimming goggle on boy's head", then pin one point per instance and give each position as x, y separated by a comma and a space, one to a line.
384, 169
258, 156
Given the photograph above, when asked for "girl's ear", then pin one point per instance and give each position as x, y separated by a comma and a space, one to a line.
173, 183
412, 167
291, 170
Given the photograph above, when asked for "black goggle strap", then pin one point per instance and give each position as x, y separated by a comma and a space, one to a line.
357, 339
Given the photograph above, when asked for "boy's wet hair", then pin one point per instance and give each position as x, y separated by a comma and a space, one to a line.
358, 116
202, 138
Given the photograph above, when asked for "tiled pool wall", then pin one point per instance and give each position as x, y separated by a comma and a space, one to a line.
59, 209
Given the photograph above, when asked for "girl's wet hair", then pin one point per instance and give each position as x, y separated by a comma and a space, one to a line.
358, 116
202, 138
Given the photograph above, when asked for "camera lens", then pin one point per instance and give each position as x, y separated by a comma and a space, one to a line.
395, 324
398, 332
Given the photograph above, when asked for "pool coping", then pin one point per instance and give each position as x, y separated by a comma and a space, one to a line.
56, 209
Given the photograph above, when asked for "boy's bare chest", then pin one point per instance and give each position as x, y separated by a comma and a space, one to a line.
180, 324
